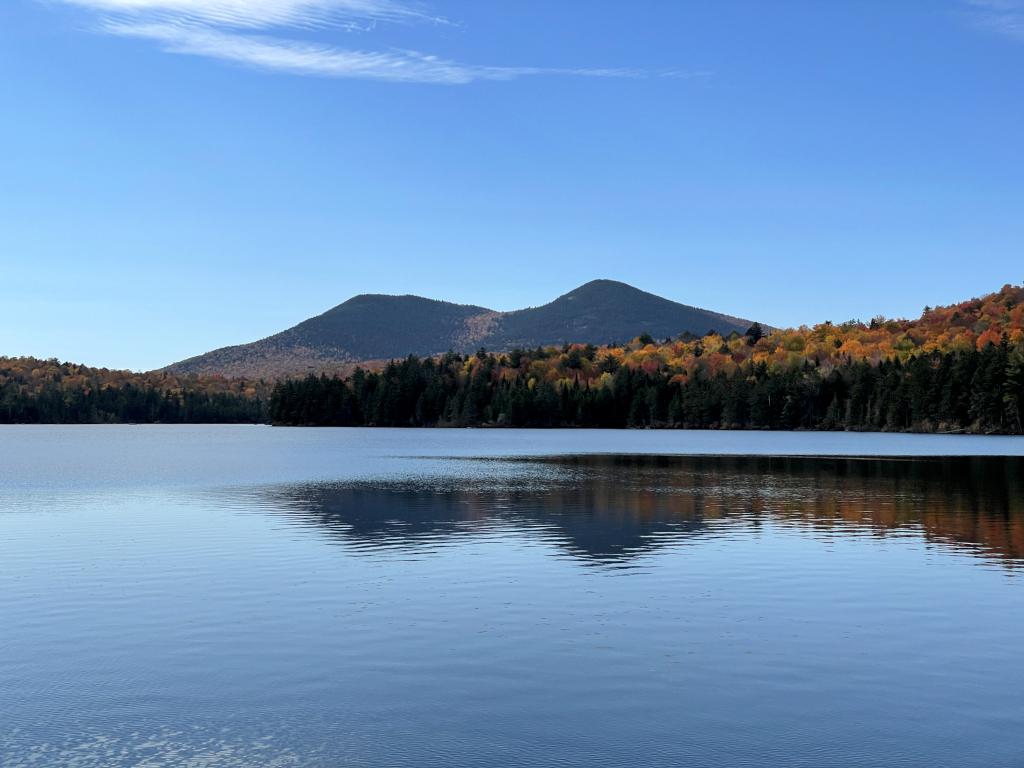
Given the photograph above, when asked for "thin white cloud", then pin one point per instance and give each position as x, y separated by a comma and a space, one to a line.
258, 13
1004, 17
248, 32
314, 59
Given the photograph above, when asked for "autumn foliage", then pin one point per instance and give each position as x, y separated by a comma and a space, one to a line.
970, 325
49, 391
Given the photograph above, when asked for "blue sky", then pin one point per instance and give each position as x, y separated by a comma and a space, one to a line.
179, 175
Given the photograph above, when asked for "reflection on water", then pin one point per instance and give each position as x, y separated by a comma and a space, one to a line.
609, 509
317, 599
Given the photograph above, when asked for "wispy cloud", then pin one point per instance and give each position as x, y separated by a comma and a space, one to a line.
1004, 17
249, 32
302, 58
261, 13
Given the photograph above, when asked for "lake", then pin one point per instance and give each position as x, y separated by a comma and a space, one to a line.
251, 596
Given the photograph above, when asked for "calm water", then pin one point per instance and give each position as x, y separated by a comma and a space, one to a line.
246, 596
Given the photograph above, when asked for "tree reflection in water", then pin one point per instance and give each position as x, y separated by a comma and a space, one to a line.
610, 509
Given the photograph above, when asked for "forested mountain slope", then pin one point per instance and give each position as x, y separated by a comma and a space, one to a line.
377, 327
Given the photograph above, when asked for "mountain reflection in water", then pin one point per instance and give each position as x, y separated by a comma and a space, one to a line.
611, 509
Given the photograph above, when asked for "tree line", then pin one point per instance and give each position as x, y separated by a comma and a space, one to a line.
128, 403
969, 390
34, 391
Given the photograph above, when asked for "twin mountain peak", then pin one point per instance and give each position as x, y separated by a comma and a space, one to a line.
372, 327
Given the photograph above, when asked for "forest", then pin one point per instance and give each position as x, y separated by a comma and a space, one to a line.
958, 368
34, 391
968, 391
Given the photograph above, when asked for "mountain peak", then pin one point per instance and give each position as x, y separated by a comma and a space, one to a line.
400, 298
605, 288
604, 282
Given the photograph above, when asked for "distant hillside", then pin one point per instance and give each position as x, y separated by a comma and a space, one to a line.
363, 329
377, 327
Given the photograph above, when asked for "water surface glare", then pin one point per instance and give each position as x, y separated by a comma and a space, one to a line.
230, 596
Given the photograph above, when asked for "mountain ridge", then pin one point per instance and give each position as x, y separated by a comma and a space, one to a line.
370, 327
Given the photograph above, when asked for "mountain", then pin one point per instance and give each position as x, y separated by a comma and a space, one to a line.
378, 327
